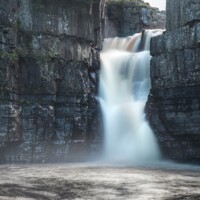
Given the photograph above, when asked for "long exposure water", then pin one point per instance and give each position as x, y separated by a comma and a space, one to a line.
100, 182
124, 88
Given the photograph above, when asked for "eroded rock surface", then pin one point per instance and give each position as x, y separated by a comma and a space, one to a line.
174, 101
49, 63
49, 66
124, 18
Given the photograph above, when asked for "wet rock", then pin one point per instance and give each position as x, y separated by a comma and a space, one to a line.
126, 18
173, 106
49, 63
49, 69
182, 13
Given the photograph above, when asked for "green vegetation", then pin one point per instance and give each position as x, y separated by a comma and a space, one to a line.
12, 56
87, 1
53, 54
39, 5
24, 102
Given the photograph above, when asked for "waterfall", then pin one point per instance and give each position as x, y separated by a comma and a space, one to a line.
124, 88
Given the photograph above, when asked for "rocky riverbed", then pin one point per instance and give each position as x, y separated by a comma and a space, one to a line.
99, 181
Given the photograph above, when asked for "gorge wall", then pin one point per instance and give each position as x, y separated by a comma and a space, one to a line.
174, 102
49, 62
126, 17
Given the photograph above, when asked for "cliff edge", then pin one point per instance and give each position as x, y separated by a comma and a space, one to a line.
174, 102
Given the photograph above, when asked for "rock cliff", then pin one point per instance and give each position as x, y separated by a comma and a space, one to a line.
49, 62
174, 102
126, 17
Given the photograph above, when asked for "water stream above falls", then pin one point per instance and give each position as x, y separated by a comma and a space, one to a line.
124, 88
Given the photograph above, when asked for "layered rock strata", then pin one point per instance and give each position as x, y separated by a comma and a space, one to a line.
49, 62
174, 102
124, 18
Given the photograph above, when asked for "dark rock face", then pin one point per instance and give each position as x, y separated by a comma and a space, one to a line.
174, 102
124, 18
181, 13
49, 62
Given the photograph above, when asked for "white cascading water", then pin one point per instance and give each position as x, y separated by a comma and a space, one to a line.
124, 88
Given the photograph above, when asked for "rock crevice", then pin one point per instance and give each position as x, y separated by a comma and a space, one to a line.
49, 66
174, 102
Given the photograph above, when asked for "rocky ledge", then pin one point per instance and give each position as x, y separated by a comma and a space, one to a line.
174, 102
124, 18
49, 62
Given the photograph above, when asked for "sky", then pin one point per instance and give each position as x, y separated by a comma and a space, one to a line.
161, 4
